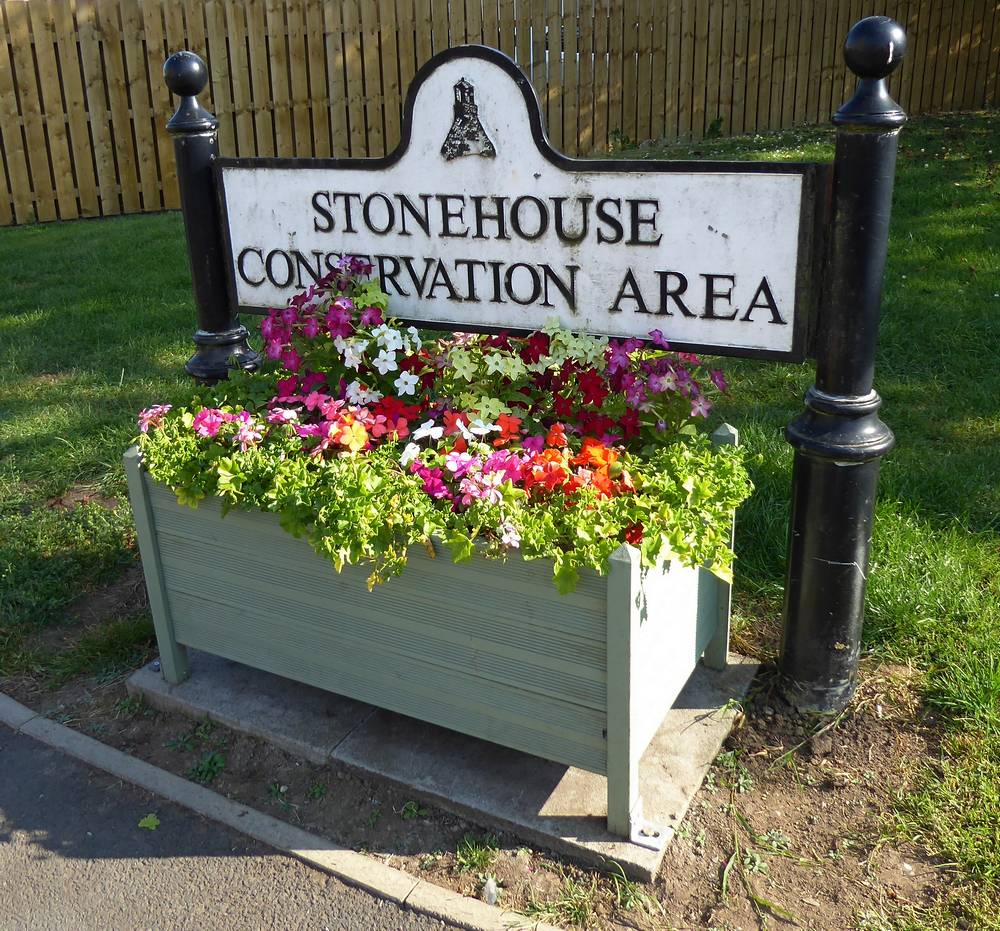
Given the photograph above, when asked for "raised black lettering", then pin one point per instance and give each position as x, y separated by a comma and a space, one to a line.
764, 292
441, 279
324, 212
448, 214
386, 276
470, 271
348, 219
301, 262
631, 286
516, 220
421, 219
536, 284
613, 222
241, 268
711, 296
581, 233
637, 221
673, 294
482, 216
418, 284
568, 291
289, 268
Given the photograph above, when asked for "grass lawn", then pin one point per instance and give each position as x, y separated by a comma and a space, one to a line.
95, 320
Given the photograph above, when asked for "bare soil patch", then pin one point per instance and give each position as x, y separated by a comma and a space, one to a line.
785, 832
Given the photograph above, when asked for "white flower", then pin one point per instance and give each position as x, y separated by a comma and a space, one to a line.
479, 428
340, 343
509, 535
354, 393
414, 337
428, 429
410, 452
388, 337
385, 361
370, 396
354, 353
406, 383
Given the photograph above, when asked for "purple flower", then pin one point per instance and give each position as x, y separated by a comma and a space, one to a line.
533, 444
701, 407
635, 393
658, 339
719, 380
618, 357
290, 315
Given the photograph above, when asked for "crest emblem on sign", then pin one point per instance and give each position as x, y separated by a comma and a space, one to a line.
466, 136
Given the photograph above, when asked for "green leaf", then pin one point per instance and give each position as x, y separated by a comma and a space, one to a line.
150, 822
461, 546
566, 576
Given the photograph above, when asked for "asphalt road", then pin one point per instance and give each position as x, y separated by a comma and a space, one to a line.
72, 858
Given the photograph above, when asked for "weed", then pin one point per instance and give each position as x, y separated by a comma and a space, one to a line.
130, 706
476, 854
208, 767
753, 862
375, 815
574, 903
429, 860
629, 894
278, 794
316, 791
182, 744
412, 810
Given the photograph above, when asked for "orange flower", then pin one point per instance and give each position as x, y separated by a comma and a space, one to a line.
557, 436
547, 469
510, 429
595, 453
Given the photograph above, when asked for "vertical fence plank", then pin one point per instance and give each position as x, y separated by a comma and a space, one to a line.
262, 101
755, 31
491, 24
456, 21
43, 191
389, 48
97, 108
522, 36
615, 73
791, 64
991, 95
69, 66
929, 84
657, 70
506, 15
355, 83
333, 25
216, 32
740, 43
473, 22
10, 133
713, 119
585, 79
630, 56
685, 77
571, 77
284, 135
139, 98
552, 65
439, 18
784, 12
407, 45
55, 117
373, 88
7, 215
156, 52
316, 64
601, 74
237, 27
298, 73
767, 63
646, 93
945, 58
121, 121
423, 38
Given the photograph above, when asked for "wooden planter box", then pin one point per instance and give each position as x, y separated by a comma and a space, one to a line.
486, 648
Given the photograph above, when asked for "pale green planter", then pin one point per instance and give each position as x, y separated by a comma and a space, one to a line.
487, 648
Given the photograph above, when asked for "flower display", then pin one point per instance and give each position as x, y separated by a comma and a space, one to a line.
368, 437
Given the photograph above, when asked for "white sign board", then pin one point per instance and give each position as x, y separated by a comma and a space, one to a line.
474, 222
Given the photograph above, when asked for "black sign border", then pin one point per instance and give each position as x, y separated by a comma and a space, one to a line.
813, 217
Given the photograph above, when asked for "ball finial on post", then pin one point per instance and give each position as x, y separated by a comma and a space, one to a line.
874, 48
185, 74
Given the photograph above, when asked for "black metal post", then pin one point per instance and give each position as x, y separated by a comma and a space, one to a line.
839, 439
220, 340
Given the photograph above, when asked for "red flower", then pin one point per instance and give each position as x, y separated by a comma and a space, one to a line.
629, 422
633, 534
592, 387
562, 406
536, 346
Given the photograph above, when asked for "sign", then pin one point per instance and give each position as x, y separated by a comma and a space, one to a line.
476, 223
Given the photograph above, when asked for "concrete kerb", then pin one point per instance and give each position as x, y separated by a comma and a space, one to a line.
351, 867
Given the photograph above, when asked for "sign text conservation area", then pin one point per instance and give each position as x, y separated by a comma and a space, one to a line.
474, 222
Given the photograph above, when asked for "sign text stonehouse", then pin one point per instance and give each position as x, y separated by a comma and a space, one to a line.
474, 222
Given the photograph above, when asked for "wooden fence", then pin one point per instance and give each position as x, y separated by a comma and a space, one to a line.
83, 104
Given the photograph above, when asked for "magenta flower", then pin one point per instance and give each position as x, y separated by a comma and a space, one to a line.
506, 463
208, 421
269, 327
152, 417
635, 393
287, 387
274, 348
658, 339
289, 315
291, 360
433, 485
719, 380
618, 357
310, 329
311, 380
338, 321
371, 316
533, 444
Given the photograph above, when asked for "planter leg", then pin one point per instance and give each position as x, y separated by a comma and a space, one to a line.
625, 816
173, 655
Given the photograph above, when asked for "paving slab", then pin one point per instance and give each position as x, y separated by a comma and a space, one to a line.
301, 719
554, 806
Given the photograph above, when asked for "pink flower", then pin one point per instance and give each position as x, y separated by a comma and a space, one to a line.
152, 417
310, 329
459, 463
274, 348
432, 483
718, 379
332, 408
269, 327
247, 432
283, 415
482, 487
701, 407
289, 315
506, 463
208, 421
315, 399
